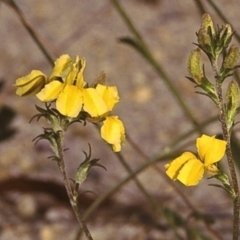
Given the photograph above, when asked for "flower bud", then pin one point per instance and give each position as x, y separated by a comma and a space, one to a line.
30, 84
204, 39
232, 102
232, 58
226, 34
206, 32
194, 66
207, 23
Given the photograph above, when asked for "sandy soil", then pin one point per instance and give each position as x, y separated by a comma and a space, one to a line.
29, 207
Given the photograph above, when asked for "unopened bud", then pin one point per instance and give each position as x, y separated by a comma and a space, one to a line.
226, 35
207, 23
194, 66
232, 58
203, 38
206, 35
232, 102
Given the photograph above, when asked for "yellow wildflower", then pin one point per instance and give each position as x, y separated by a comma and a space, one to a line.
99, 101
189, 169
65, 86
109, 95
74, 98
113, 132
70, 101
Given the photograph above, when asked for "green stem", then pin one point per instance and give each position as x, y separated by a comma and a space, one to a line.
156, 207
120, 184
151, 59
31, 31
138, 183
227, 138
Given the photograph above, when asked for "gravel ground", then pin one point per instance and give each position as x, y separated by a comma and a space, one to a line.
29, 209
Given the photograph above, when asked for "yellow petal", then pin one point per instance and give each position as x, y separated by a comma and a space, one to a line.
30, 84
51, 91
93, 102
113, 132
186, 168
191, 173
175, 166
80, 79
109, 95
210, 149
62, 67
70, 101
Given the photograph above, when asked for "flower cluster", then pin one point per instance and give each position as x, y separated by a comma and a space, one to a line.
189, 169
75, 98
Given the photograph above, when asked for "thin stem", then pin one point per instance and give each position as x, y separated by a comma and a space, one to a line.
131, 176
151, 59
227, 138
31, 31
156, 207
161, 172
72, 199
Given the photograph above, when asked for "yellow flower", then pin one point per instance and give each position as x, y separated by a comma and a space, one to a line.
100, 101
62, 67
51, 91
109, 95
70, 101
189, 169
113, 132
94, 104
65, 86
30, 84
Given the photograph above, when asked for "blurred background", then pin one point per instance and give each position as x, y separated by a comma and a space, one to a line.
33, 203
